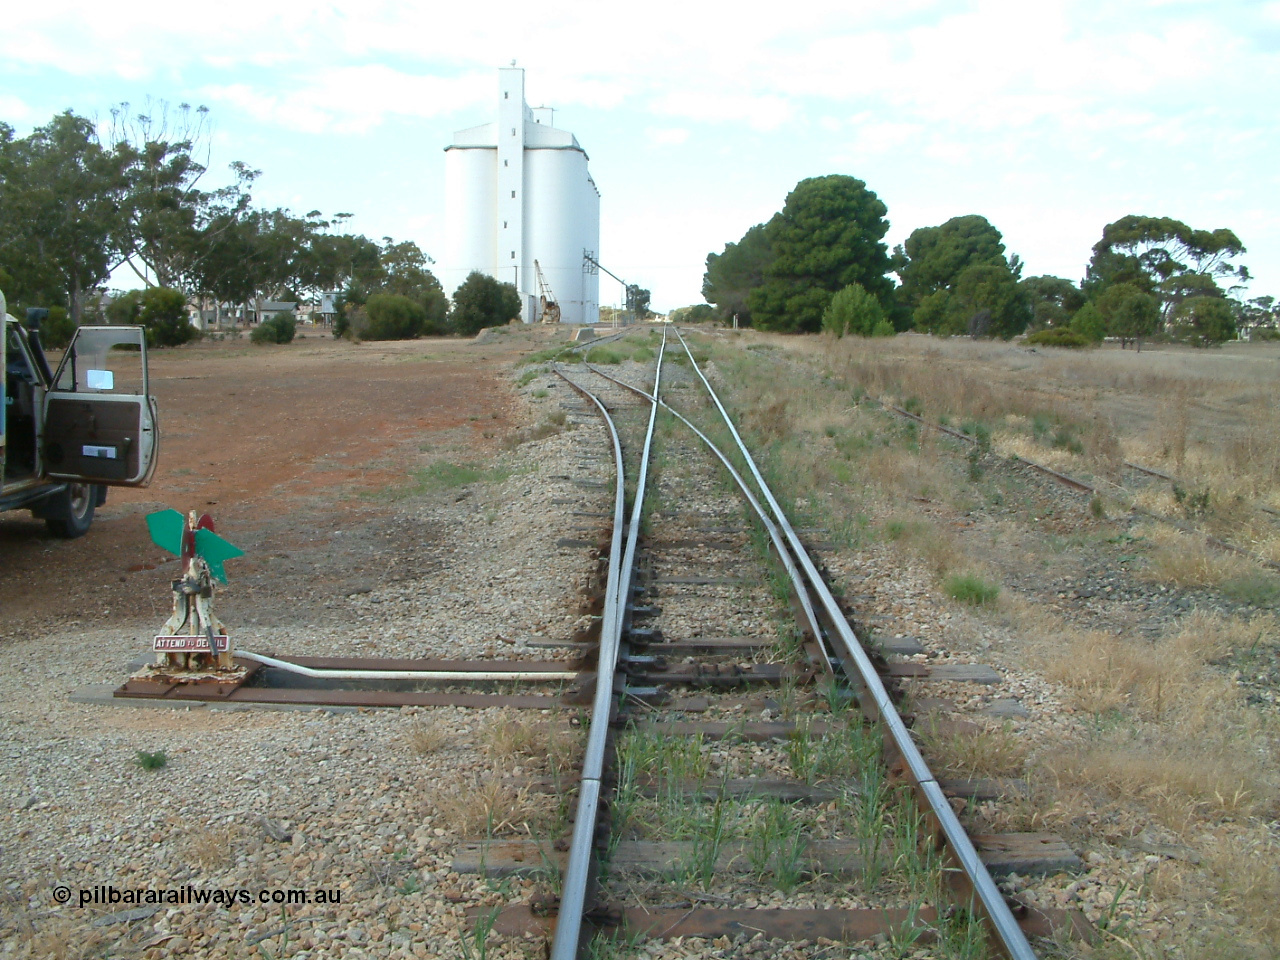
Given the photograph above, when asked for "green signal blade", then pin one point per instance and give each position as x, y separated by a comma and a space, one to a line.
215, 552
167, 527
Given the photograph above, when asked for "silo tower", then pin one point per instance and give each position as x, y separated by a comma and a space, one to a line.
518, 191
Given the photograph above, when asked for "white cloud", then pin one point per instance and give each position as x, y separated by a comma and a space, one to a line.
965, 95
759, 112
667, 136
14, 110
351, 99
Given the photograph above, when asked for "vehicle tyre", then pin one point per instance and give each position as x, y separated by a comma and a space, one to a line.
70, 512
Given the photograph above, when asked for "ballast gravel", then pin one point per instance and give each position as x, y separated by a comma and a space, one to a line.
265, 805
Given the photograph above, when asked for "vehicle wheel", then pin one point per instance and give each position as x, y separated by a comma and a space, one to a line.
69, 513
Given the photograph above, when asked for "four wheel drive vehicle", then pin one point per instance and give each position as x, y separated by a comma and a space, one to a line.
67, 436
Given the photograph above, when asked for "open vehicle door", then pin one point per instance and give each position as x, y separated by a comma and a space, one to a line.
99, 417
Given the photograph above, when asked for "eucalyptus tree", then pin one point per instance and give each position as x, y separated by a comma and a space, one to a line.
61, 195
1166, 258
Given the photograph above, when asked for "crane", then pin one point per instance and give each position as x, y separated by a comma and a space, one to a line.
629, 289
549, 310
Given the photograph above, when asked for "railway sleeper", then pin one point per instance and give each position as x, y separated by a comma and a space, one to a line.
688, 919
721, 674
1027, 854
795, 791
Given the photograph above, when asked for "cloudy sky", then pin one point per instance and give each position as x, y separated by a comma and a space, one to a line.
1049, 118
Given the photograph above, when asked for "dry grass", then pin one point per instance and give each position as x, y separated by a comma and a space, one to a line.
769, 420
1207, 417
912, 473
1152, 681
1181, 780
1171, 730
932, 542
509, 736
425, 737
489, 805
212, 847
502, 800
989, 752
1021, 445
1247, 870
58, 938
1164, 734
1188, 561
1173, 427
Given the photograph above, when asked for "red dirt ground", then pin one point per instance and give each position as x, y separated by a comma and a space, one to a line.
278, 444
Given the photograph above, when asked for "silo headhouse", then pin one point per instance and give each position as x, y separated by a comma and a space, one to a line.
521, 206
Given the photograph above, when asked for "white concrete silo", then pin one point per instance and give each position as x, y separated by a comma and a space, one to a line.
518, 192
472, 200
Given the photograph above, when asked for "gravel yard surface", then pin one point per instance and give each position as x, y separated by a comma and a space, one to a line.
423, 500
351, 805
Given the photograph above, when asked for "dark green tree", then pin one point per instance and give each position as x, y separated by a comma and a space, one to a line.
397, 268
1204, 321
828, 235
481, 301
163, 312
1053, 300
697, 313
350, 260
1089, 323
638, 302
170, 221
987, 302
1130, 313
933, 258
281, 328
1186, 286
405, 272
57, 329
228, 272
125, 307
393, 316
984, 301
733, 274
855, 312
1259, 313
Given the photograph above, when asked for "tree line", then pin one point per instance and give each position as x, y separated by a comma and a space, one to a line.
821, 263
78, 203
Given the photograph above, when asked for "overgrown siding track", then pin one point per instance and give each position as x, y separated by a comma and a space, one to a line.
1127, 493
754, 777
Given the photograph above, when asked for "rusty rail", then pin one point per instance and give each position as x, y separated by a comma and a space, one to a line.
876, 703
578, 877
1066, 480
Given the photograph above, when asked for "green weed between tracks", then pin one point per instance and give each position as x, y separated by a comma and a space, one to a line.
670, 789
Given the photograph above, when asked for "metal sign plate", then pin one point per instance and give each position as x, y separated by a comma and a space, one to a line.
195, 644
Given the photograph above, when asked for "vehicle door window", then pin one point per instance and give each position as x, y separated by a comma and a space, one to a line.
98, 362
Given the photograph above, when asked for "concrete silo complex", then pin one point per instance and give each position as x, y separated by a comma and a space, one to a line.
521, 206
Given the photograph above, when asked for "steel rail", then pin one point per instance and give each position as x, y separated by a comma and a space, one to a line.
1152, 472
775, 535
596, 341
1094, 488
321, 673
577, 877
992, 903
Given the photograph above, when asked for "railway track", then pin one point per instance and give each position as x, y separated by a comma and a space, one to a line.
1098, 487
747, 772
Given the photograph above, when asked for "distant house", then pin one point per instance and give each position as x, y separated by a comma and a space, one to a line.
272, 308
